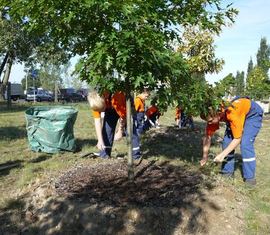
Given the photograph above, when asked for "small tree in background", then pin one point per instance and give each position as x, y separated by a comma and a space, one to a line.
16, 45
250, 66
197, 47
257, 84
226, 86
240, 83
257, 80
263, 56
50, 76
30, 80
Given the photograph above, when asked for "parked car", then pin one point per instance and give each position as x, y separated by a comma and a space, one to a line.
69, 95
83, 92
38, 95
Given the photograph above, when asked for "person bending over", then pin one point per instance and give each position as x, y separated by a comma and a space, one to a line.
243, 120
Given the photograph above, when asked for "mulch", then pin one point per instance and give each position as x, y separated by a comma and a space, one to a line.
155, 184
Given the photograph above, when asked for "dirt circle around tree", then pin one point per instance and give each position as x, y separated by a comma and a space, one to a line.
163, 199
168, 199
154, 184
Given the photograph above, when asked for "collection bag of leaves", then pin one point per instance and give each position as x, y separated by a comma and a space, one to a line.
50, 128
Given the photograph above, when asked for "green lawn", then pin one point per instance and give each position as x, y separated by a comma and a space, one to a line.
180, 147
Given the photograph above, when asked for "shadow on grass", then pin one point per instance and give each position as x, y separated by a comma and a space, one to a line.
12, 133
99, 199
6, 167
14, 108
80, 143
12, 216
174, 143
41, 158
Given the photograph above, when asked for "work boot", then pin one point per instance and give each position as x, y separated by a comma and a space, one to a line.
250, 182
101, 155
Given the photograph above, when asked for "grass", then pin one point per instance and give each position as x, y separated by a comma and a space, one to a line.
180, 147
258, 214
14, 148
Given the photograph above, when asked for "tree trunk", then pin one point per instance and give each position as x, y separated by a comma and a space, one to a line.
2, 91
130, 132
129, 139
4, 83
3, 64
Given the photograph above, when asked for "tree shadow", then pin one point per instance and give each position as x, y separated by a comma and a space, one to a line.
155, 203
12, 133
175, 143
14, 108
85, 142
41, 158
6, 167
172, 143
100, 199
12, 211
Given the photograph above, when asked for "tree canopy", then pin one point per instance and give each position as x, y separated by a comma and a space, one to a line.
197, 46
257, 85
18, 44
240, 83
257, 80
124, 44
263, 55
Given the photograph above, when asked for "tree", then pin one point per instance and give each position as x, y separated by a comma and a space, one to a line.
16, 45
263, 55
226, 86
124, 45
19, 45
240, 83
257, 84
198, 48
250, 66
31, 81
120, 36
73, 80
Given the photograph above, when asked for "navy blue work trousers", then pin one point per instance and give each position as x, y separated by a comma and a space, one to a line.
108, 130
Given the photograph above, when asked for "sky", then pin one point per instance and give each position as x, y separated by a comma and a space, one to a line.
240, 42
236, 44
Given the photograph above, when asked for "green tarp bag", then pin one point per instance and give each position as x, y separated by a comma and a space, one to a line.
50, 128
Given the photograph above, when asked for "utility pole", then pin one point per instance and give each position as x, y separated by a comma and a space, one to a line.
34, 75
56, 92
35, 92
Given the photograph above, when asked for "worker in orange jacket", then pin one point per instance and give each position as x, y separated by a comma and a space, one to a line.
139, 105
114, 107
152, 114
244, 120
